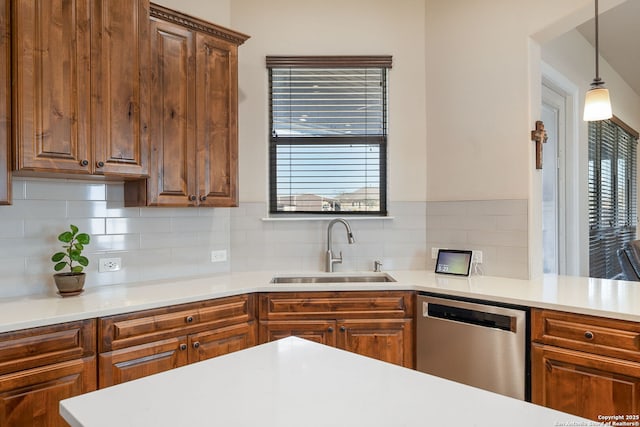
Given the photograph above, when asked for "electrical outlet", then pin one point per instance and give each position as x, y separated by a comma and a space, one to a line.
219, 256
477, 257
106, 265
434, 253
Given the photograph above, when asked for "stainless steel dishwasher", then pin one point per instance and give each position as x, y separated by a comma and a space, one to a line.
473, 343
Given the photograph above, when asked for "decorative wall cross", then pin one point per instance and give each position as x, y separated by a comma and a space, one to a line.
539, 136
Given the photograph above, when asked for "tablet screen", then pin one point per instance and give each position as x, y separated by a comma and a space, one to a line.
452, 261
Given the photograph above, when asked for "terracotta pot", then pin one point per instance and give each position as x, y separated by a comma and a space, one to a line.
69, 283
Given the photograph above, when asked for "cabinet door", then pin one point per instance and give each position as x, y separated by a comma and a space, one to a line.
388, 340
51, 85
206, 345
131, 363
120, 86
320, 331
217, 121
31, 398
583, 384
5, 104
173, 170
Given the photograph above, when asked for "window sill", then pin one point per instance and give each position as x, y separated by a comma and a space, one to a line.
324, 218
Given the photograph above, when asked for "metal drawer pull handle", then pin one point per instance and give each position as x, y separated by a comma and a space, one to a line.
189, 319
183, 347
342, 328
330, 329
196, 344
588, 335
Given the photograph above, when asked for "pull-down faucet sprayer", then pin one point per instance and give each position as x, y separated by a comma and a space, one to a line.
330, 260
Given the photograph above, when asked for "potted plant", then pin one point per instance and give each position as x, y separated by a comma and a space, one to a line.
71, 282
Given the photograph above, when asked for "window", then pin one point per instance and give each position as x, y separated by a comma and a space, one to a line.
328, 142
612, 194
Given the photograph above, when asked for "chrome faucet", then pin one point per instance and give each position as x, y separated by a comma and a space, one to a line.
330, 260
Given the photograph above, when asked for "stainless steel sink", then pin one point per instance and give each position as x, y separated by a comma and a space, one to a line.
331, 278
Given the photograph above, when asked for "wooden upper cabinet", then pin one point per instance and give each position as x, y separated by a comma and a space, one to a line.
172, 108
5, 104
81, 86
194, 114
120, 86
217, 121
51, 43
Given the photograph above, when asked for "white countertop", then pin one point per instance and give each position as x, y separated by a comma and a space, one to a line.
295, 382
600, 297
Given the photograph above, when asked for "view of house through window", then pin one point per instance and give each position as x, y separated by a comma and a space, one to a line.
328, 137
612, 194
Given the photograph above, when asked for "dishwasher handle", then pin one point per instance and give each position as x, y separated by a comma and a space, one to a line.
473, 317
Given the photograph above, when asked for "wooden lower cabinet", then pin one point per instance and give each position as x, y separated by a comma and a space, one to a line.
376, 324
320, 331
41, 366
131, 363
584, 384
208, 344
585, 365
389, 340
31, 398
135, 345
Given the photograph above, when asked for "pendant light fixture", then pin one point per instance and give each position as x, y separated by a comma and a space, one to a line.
597, 105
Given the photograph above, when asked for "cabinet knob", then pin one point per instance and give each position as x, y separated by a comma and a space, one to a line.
330, 329
183, 347
84, 162
342, 328
192, 197
203, 198
189, 319
196, 344
588, 335
99, 164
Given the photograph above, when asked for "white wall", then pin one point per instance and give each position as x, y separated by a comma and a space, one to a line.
478, 105
335, 27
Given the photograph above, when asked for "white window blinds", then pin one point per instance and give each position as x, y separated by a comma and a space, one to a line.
328, 135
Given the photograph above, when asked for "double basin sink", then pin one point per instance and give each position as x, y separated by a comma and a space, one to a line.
333, 278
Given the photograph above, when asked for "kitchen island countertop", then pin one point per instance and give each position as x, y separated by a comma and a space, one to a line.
598, 297
295, 382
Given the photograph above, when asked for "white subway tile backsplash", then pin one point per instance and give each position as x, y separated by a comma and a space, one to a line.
64, 190
53, 227
496, 227
22, 209
18, 189
11, 228
152, 242
159, 243
87, 209
138, 225
295, 245
199, 223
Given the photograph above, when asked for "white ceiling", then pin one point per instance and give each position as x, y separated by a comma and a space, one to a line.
619, 40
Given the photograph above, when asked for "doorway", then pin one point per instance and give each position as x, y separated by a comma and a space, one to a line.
554, 116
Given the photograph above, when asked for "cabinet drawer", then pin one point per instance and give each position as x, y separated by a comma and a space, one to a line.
336, 305
152, 325
596, 335
30, 348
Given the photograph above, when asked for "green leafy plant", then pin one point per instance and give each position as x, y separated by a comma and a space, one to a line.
73, 246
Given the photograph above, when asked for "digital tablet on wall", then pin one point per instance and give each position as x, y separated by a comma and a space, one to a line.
453, 261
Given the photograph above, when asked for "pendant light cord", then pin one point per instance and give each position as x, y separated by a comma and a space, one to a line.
597, 81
